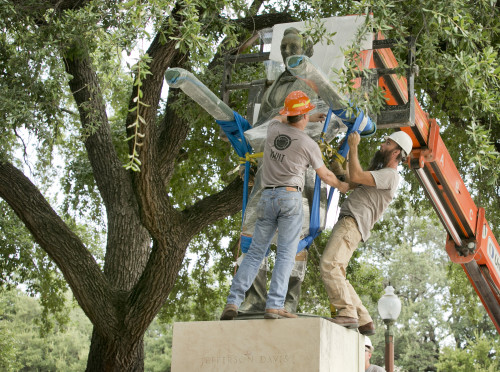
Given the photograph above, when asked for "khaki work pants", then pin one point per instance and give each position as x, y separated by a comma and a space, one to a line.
343, 241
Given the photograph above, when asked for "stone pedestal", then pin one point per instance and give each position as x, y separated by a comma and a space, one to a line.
283, 345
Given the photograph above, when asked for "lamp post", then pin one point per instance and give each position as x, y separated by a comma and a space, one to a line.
389, 307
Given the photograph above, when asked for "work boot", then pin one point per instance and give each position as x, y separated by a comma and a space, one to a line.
367, 329
230, 312
345, 321
278, 314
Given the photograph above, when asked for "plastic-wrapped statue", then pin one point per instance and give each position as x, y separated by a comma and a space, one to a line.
293, 43
295, 51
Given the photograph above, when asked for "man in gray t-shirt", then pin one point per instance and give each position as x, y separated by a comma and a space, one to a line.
287, 153
373, 190
284, 163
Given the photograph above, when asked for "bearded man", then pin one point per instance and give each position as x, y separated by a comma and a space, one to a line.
373, 190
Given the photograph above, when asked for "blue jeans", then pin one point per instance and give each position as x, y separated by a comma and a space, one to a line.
277, 209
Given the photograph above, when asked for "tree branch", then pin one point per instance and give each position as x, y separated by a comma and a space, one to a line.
149, 183
172, 136
214, 207
79, 268
37, 9
112, 179
86, 91
259, 22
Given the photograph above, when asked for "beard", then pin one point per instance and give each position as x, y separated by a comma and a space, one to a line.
379, 160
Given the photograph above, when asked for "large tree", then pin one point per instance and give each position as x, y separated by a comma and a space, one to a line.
67, 89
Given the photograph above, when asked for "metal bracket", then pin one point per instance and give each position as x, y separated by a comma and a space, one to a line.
255, 87
402, 114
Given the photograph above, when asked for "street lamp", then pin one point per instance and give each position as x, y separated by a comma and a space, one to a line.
389, 307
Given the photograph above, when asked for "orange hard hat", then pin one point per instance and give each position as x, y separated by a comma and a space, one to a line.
296, 103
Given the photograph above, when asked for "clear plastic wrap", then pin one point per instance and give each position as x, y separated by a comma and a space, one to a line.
180, 78
299, 270
273, 69
303, 68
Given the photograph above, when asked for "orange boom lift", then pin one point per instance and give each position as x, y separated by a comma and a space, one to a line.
470, 241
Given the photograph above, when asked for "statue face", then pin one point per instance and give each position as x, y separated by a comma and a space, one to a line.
291, 45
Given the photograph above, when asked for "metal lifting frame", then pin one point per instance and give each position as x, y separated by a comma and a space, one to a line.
256, 88
395, 114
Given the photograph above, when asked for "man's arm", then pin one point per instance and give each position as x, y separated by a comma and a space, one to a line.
356, 173
317, 117
352, 185
332, 180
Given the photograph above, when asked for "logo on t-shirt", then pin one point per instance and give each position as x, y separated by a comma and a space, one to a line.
282, 142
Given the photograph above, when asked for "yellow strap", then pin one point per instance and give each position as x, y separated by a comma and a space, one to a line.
328, 152
339, 157
251, 157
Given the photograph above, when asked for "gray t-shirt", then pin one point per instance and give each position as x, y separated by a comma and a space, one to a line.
366, 204
287, 153
374, 368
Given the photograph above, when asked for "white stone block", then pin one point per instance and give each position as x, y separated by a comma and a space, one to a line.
283, 345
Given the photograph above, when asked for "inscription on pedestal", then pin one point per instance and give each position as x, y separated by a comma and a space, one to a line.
285, 345
263, 360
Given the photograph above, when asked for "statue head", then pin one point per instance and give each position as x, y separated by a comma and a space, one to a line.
294, 43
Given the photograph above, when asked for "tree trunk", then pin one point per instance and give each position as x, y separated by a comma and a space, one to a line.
118, 355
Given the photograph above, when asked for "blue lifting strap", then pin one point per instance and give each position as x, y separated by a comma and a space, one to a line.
314, 221
234, 131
